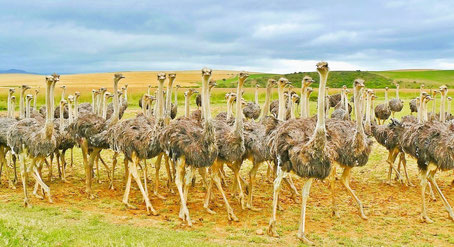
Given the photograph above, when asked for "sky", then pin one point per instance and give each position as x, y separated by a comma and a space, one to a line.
264, 36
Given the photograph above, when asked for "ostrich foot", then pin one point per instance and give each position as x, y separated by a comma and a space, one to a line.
335, 214
27, 203
159, 196
279, 207
424, 219
241, 200
129, 206
11, 185
50, 200
111, 187
295, 198
252, 208
151, 211
210, 211
232, 216
362, 215
38, 196
409, 184
272, 229
303, 239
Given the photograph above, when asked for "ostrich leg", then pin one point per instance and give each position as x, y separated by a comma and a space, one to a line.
217, 181
448, 207
24, 177
57, 155
38, 179
145, 176
346, 182
305, 196
72, 157
63, 165
189, 174
237, 185
252, 176
404, 164
114, 164
156, 182
97, 169
127, 190
392, 155
105, 166
423, 217
50, 167
9, 164
179, 180
276, 188
135, 174
333, 189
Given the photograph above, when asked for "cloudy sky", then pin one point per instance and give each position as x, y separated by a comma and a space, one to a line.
97, 36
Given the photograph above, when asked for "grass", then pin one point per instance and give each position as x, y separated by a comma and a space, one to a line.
413, 79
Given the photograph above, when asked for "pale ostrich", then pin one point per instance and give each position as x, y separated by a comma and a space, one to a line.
351, 144
295, 102
382, 111
449, 115
396, 104
35, 139
123, 105
191, 146
414, 104
444, 93
174, 106
57, 109
187, 97
341, 109
24, 88
35, 98
252, 109
90, 130
88, 107
301, 146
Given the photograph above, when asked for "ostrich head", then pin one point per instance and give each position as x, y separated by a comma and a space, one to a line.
126, 86
282, 82
295, 98
108, 95
322, 68
309, 90
36, 91
178, 86
449, 98
359, 83
28, 97
63, 87
227, 95
63, 103
56, 77
443, 90
206, 73
77, 95
13, 99
212, 84
71, 99
270, 83
242, 77
11, 91
118, 77
434, 93
26, 87
161, 76
307, 81
49, 81
102, 90
172, 75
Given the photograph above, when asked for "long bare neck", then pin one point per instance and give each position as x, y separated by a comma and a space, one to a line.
27, 115
320, 127
61, 127
442, 108
126, 95
34, 101
303, 113
291, 106
176, 97
368, 97
386, 98
49, 111
76, 107
358, 113
434, 104
257, 95
104, 108
372, 109
229, 108
116, 113
308, 109
266, 106
93, 104
9, 105
70, 113
205, 99
98, 104
239, 112
186, 105
160, 101
281, 109
421, 110
13, 108
63, 94
21, 104
169, 98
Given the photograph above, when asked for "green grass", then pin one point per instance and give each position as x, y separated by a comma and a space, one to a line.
413, 79
48, 226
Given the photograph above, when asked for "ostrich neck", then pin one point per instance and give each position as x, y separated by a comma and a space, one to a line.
372, 109
368, 97
101, 103
148, 91
70, 113
257, 95
126, 95
442, 109
169, 98
9, 105
98, 104
93, 100
281, 112
144, 106
239, 112
320, 127
63, 94
308, 110
159, 106
176, 97
205, 100
34, 101
27, 115
397, 92
303, 112
266, 106
13, 106
229, 108
116, 113
434, 104
21, 103
421, 110
48, 104
358, 113
76, 107
186, 105
104, 108
386, 98
291, 106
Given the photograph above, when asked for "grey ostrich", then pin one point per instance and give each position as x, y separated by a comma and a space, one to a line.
301, 146
382, 111
35, 139
252, 109
431, 144
305, 83
396, 104
87, 107
57, 109
414, 104
341, 110
5, 124
187, 97
174, 106
230, 142
24, 88
191, 145
351, 144
90, 131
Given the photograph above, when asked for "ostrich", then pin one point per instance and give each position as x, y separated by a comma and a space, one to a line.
431, 144
295, 102
57, 109
252, 109
123, 105
24, 88
449, 116
35, 98
87, 107
90, 130
309, 90
5, 124
414, 104
35, 139
174, 106
187, 96
433, 115
396, 104
341, 109
305, 83
382, 111
148, 93
192, 145
301, 146
230, 142
351, 144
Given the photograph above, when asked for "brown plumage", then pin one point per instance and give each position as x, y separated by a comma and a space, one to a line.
252, 110
414, 104
382, 111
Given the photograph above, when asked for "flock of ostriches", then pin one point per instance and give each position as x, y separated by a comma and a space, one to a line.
312, 147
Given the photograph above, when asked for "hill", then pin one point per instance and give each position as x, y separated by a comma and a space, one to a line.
15, 71
414, 78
